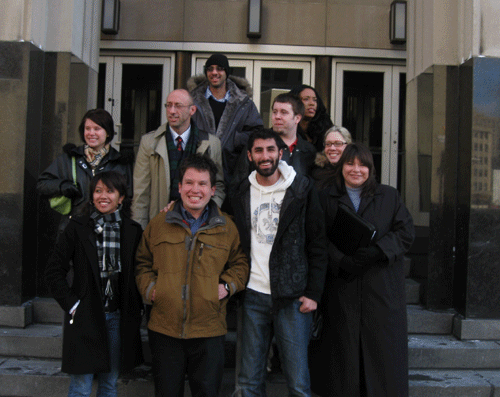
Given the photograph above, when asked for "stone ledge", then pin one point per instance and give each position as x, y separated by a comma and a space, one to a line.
47, 310
16, 316
443, 352
476, 328
453, 383
422, 321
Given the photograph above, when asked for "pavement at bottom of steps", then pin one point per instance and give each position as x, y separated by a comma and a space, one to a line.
43, 378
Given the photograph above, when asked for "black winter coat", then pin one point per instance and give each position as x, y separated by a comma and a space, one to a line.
302, 158
49, 182
297, 264
85, 342
365, 318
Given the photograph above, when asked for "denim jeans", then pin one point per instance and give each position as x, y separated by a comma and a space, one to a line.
292, 331
81, 385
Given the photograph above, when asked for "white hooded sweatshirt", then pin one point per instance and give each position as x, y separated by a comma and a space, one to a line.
265, 206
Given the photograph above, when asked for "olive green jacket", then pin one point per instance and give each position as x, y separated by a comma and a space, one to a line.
185, 270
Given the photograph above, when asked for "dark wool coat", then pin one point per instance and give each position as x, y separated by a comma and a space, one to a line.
365, 318
297, 264
323, 172
85, 342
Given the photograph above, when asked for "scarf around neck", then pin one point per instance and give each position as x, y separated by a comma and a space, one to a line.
107, 230
94, 157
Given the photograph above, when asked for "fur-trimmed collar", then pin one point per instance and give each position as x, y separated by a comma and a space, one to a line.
200, 80
321, 160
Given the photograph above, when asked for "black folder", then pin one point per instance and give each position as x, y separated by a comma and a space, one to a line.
350, 231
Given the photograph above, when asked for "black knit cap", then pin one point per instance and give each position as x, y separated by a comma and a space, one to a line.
219, 60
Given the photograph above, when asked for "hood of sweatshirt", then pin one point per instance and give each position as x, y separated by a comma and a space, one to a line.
287, 176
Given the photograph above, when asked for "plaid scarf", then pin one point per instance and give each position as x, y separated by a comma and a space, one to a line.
107, 230
94, 157
191, 146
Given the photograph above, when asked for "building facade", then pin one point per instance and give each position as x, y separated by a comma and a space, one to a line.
427, 108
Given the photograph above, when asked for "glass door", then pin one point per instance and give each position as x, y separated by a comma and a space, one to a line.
133, 90
369, 103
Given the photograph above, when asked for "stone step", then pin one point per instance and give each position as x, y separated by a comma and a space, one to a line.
454, 383
422, 321
36, 340
47, 311
413, 291
425, 351
30, 377
448, 352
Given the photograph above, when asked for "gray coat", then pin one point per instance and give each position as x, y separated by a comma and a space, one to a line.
239, 118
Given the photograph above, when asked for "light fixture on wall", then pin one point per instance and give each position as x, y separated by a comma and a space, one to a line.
254, 19
397, 32
110, 16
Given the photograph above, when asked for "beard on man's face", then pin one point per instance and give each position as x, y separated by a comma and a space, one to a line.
266, 171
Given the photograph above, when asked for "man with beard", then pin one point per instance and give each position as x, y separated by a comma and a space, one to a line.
156, 172
282, 231
287, 111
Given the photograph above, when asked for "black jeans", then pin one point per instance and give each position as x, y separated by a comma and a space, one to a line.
201, 358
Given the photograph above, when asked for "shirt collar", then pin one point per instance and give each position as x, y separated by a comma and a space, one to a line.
293, 146
184, 136
209, 94
194, 224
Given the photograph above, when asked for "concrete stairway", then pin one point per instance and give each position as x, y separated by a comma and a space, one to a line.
440, 364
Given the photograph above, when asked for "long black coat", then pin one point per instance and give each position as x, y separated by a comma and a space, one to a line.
364, 337
85, 342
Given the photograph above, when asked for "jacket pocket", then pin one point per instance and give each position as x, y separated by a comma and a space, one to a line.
169, 252
210, 257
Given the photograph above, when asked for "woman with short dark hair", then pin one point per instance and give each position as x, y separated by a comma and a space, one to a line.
94, 156
363, 347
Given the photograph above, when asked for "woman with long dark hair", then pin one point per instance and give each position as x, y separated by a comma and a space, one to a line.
102, 307
363, 348
316, 119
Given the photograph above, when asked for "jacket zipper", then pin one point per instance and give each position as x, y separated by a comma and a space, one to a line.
185, 287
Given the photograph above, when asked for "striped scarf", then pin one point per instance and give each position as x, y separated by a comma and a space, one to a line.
107, 230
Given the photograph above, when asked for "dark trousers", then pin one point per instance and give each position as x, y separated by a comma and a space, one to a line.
202, 359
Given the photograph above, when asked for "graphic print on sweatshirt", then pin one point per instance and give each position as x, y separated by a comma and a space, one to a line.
265, 221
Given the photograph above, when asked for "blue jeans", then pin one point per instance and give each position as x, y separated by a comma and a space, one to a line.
81, 385
292, 330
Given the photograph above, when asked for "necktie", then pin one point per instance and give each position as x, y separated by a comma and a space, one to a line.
179, 143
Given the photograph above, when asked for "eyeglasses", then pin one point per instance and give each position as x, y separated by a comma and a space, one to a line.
174, 106
336, 144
